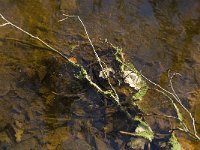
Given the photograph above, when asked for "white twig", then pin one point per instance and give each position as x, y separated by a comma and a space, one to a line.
175, 96
35, 37
161, 115
4, 24
95, 52
169, 95
171, 85
179, 101
63, 19
177, 110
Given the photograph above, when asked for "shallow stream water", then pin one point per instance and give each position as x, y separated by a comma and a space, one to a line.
42, 105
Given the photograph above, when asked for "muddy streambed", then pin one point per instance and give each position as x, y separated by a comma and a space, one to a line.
42, 104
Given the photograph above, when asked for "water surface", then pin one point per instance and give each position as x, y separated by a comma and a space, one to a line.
43, 106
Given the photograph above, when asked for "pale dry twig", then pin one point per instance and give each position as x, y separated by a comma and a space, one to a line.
95, 52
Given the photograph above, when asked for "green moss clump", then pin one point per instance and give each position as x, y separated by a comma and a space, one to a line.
144, 130
175, 145
140, 94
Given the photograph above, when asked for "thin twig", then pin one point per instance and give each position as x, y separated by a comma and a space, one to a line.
188, 133
179, 101
169, 95
127, 133
95, 52
161, 115
171, 84
35, 37
4, 24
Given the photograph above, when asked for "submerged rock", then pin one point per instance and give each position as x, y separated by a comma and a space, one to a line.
101, 145
76, 144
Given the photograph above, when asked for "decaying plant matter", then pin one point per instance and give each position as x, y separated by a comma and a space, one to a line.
130, 76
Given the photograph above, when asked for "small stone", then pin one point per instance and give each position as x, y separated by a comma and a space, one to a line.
100, 144
4, 138
137, 143
162, 144
75, 144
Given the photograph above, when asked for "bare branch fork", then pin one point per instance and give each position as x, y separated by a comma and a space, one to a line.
4, 24
181, 104
173, 97
176, 98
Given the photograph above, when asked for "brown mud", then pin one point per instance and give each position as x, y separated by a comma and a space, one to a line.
42, 104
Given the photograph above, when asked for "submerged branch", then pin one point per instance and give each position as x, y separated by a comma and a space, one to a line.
95, 52
168, 94
172, 96
34, 37
111, 94
180, 103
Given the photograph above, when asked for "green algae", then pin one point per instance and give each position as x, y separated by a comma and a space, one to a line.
175, 145
131, 75
143, 130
